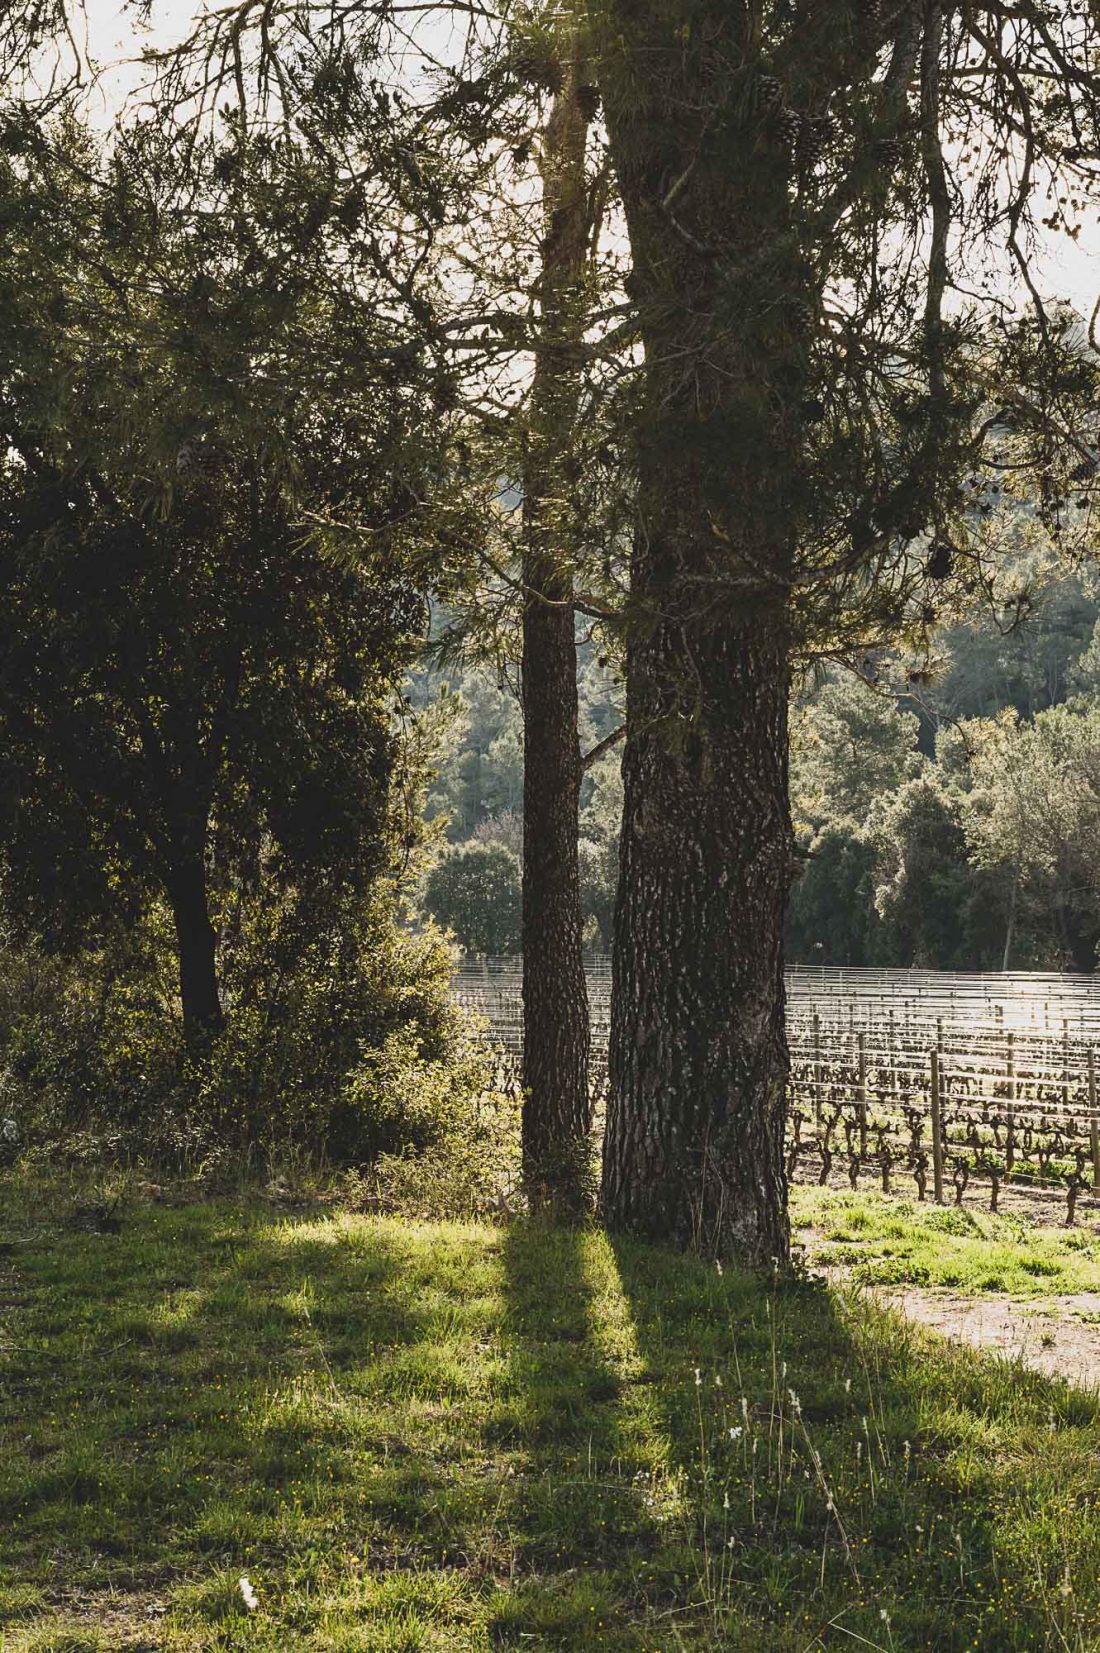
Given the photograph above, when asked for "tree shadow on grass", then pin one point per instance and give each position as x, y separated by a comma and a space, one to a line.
220, 1391
847, 1478
592, 1513
427, 1438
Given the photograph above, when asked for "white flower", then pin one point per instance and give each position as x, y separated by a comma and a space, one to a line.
698, 1378
248, 1594
736, 1434
9, 1130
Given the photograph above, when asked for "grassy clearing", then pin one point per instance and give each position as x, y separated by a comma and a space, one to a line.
430, 1436
891, 1240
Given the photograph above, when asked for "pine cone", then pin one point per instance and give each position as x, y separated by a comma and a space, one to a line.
788, 124
814, 138
588, 101
769, 91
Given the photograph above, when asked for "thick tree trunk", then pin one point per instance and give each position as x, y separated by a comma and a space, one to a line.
698, 1064
196, 947
694, 1147
557, 1106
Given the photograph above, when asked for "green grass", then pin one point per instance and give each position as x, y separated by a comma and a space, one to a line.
891, 1240
415, 1436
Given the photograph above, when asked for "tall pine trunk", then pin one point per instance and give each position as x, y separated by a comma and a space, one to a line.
196, 948
698, 1061
557, 1106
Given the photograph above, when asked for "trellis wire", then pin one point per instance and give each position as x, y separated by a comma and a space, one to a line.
971, 1077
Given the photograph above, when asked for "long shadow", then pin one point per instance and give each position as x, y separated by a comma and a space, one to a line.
524, 1433
846, 1479
588, 1513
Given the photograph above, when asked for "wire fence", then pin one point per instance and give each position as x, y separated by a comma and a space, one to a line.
959, 1082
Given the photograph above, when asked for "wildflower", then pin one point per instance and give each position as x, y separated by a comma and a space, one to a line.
698, 1379
725, 1501
718, 1264
717, 1380
736, 1433
248, 1594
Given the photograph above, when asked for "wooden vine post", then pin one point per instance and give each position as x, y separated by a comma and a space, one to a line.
1094, 1124
861, 1094
817, 1064
937, 1130
1010, 1112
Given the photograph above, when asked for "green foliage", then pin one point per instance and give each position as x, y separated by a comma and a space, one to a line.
850, 743
342, 1040
475, 891
935, 907
831, 916
1033, 819
212, 565
1027, 650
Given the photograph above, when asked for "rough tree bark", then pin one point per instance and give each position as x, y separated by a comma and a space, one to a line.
196, 947
557, 1107
698, 1061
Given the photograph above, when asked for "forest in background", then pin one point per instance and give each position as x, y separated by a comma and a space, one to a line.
948, 819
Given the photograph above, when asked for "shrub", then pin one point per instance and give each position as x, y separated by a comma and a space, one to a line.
476, 891
341, 1039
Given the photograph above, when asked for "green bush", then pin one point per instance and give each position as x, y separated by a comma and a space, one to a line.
341, 1039
476, 892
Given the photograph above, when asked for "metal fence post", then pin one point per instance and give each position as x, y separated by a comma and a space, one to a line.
817, 1064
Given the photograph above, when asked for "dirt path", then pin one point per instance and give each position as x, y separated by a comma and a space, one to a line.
1059, 1336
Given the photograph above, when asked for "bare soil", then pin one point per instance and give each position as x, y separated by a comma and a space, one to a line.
1058, 1336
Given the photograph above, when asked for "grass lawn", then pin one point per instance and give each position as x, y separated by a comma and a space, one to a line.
897, 1241
429, 1436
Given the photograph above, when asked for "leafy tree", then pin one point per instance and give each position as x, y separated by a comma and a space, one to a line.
937, 910
1033, 819
474, 890
1029, 654
195, 690
831, 918
850, 742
